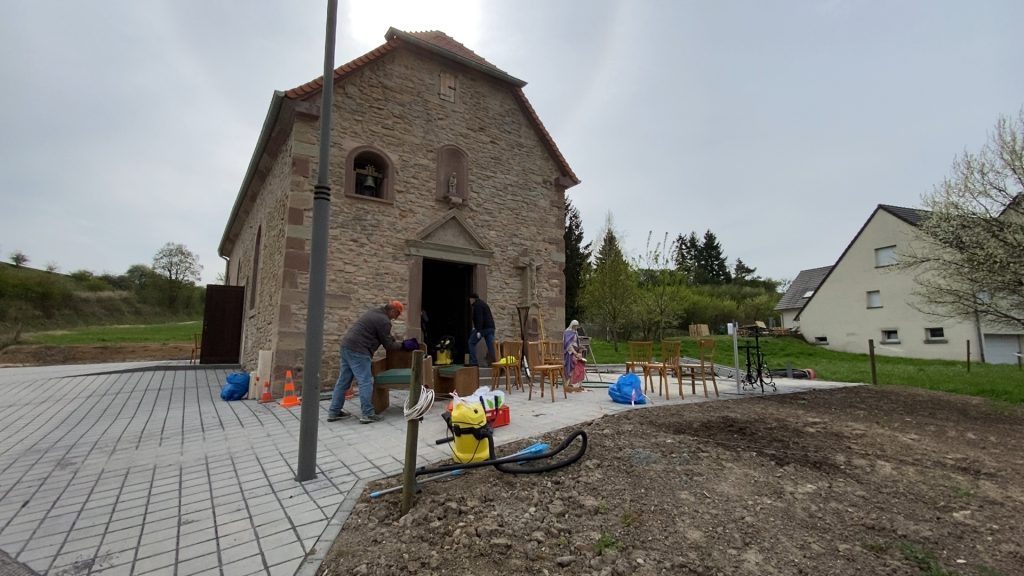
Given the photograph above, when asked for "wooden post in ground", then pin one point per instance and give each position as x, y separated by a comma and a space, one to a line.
968, 356
412, 434
871, 354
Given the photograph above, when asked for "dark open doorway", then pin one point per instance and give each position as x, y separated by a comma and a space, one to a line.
446, 289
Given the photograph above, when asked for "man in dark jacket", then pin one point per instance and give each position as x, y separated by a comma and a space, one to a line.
483, 327
371, 330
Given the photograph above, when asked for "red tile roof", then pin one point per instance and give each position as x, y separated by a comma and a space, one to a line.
457, 51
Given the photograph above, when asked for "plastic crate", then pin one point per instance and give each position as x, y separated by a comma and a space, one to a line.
499, 417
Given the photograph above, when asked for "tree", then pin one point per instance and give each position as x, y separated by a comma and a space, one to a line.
686, 250
969, 253
610, 291
741, 272
18, 258
577, 262
710, 263
52, 267
658, 289
179, 267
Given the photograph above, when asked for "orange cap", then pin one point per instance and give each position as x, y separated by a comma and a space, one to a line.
396, 305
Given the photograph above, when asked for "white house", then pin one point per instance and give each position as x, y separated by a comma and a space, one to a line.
865, 297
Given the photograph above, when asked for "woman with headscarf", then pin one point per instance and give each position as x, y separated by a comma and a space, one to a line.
572, 356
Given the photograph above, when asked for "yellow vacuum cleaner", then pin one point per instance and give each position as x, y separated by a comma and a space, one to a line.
468, 424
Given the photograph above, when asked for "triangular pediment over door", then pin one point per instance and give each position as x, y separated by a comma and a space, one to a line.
451, 238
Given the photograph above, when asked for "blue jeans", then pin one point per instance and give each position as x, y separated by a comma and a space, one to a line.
357, 365
486, 334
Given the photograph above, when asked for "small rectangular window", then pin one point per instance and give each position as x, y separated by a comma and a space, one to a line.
821, 340
874, 299
935, 335
446, 86
885, 256
809, 293
890, 336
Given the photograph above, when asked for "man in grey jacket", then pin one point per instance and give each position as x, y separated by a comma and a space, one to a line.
371, 330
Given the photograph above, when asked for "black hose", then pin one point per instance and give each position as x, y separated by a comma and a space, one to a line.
501, 463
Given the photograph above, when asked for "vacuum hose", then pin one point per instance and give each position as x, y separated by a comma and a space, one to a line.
513, 464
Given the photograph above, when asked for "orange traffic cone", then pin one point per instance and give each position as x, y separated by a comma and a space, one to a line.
267, 396
290, 399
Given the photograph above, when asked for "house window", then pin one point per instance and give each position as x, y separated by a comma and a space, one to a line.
890, 337
254, 275
885, 256
446, 86
369, 175
809, 293
874, 299
821, 340
934, 335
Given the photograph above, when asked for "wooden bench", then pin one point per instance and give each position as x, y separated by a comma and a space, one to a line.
395, 371
463, 380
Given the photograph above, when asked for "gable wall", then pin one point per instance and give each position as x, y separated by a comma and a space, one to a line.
839, 310
513, 205
260, 323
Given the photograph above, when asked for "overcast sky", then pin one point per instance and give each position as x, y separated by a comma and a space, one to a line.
777, 125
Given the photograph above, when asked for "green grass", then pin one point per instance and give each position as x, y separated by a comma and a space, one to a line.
605, 542
924, 560
172, 333
998, 382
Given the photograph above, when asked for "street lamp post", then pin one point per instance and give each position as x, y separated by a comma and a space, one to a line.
309, 421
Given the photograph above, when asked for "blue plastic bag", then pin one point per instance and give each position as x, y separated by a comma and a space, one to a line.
236, 387
627, 390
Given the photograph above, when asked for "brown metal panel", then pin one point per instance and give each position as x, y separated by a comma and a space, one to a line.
222, 324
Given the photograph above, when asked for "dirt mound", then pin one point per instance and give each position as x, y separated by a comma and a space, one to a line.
863, 480
91, 354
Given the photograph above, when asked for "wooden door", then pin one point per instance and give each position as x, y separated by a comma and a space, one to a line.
222, 324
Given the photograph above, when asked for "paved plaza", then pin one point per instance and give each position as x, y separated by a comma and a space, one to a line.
143, 469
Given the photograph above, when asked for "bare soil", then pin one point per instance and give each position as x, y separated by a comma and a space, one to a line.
23, 355
852, 481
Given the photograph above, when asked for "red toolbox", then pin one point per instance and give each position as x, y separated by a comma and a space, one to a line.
498, 417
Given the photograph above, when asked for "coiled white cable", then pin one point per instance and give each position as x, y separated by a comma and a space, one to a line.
423, 406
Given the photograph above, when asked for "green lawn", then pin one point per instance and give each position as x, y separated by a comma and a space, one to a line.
175, 332
999, 382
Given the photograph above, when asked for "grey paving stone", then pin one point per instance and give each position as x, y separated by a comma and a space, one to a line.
235, 538
47, 552
81, 543
232, 527
188, 539
159, 535
162, 560
243, 567
289, 555
277, 540
197, 550
197, 565
160, 525
148, 549
273, 527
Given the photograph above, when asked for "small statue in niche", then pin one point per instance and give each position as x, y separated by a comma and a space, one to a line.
452, 185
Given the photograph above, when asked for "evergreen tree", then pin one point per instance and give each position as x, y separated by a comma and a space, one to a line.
610, 292
686, 249
577, 262
711, 266
741, 272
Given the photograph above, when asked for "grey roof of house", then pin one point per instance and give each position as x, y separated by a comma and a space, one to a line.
806, 280
911, 216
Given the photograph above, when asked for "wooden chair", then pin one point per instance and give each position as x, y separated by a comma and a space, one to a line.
550, 367
507, 349
639, 356
197, 347
669, 363
705, 368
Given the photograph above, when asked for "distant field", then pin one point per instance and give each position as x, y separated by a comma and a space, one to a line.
175, 332
998, 382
